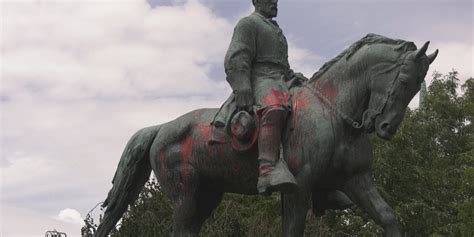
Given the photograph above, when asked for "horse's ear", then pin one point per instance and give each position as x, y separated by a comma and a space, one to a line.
432, 56
422, 51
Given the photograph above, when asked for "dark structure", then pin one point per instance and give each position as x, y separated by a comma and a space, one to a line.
325, 143
55, 233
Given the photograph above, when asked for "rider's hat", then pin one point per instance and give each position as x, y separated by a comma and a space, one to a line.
243, 128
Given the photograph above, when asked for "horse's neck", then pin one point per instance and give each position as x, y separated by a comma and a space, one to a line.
347, 94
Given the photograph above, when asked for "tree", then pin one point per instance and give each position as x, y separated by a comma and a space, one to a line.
150, 215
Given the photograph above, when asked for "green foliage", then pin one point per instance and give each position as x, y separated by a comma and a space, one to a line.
150, 215
426, 173
240, 215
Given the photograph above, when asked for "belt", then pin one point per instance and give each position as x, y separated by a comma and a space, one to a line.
270, 67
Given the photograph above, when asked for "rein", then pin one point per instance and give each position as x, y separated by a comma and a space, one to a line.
341, 114
318, 93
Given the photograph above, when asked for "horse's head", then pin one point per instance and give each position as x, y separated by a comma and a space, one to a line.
392, 88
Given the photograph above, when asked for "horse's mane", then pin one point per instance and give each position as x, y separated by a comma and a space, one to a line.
399, 45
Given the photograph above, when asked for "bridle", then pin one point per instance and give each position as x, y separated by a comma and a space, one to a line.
368, 113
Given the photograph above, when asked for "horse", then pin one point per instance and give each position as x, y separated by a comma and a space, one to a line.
325, 144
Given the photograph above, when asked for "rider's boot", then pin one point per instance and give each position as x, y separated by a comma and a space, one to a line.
274, 174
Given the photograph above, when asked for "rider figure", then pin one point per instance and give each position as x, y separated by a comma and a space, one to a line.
257, 69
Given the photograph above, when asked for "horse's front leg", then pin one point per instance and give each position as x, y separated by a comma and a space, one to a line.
295, 207
362, 191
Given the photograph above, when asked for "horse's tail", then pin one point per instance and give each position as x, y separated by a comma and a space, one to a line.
132, 173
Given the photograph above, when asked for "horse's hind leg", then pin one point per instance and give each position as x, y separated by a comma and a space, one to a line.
363, 192
182, 188
207, 201
295, 208
191, 204
191, 211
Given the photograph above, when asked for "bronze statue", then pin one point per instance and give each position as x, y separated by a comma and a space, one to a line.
325, 139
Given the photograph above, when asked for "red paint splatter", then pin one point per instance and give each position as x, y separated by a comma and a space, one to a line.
162, 165
185, 169
276, 98
223, 152
265, 169
205, 131
293, 162
234, 144
330, 91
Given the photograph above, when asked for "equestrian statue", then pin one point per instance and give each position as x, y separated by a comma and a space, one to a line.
278, 132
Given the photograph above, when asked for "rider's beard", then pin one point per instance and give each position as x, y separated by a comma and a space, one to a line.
268, 10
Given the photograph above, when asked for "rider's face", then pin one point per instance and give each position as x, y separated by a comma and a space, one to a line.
268, 8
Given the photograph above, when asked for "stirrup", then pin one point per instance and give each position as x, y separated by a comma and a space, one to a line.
279, 179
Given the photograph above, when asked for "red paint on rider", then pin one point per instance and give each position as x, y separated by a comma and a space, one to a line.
237, 129
302, 100
286, 96
275, 97
237, 168
205, 130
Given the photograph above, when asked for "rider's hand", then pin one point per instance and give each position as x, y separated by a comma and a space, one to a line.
295, 78
244, 99
300, 78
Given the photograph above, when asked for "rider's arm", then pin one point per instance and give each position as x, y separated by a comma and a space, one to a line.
295, 78
238, 61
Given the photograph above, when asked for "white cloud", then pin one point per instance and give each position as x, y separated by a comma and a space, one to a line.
22, 222
69, 215
453, 55
302, 60
78, 79
76, 50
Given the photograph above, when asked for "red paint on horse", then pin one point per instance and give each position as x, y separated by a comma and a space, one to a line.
186, 150
300, 103
330, 91
301, 100
286, 97
293, 162
162, 165
205, 132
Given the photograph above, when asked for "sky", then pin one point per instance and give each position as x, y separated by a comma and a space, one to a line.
78, 78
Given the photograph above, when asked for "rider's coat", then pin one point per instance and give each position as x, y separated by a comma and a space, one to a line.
258, 55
